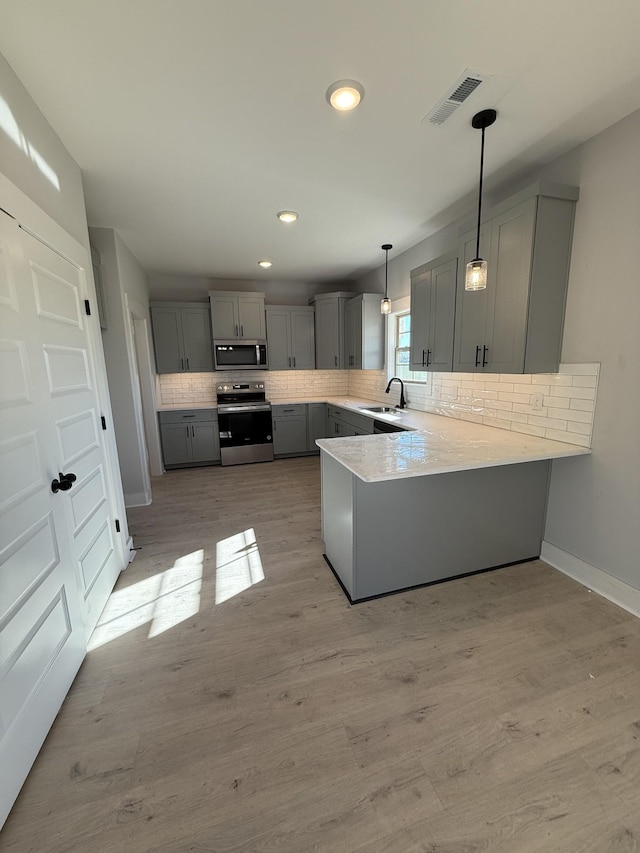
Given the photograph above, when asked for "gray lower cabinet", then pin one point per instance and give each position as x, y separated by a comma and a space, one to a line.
515, 325
316, 425
289, 429
291, 339
433, 302
189, 437
181, 337
344, 422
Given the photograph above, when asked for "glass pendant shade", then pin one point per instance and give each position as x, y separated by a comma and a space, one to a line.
385, 305
476, 275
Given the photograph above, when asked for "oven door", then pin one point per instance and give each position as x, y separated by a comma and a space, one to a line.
246, 434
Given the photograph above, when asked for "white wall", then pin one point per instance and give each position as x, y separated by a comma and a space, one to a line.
126, 288
33, 158
184, 288
594, 507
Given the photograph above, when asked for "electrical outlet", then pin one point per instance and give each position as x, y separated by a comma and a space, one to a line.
536, 402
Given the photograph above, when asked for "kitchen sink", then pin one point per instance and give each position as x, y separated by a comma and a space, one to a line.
383, 410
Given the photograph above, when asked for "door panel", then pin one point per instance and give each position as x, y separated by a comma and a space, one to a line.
443, 306
278, 338
60, 560
251, 318
196, 332
471, 306
302, 340
63, 334
42, 630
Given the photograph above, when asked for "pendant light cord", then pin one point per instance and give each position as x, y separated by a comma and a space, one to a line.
480, 194
386, 271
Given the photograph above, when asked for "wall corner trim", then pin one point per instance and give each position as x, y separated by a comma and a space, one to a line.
615, 590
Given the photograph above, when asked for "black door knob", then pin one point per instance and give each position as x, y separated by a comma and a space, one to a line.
64, 483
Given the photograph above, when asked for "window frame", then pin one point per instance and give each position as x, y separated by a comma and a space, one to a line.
399, 308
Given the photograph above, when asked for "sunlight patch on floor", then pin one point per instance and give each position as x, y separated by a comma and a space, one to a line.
238, 565
164, 600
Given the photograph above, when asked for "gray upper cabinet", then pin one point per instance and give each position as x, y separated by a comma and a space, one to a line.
330, 319
515, 325
364, 333
291, 339
181, 337
433, 300
237, 316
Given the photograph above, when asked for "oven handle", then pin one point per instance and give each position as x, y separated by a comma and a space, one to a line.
227, 409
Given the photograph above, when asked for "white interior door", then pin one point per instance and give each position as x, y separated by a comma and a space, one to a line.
58, 557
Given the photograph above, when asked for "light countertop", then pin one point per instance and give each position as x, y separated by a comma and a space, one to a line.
434, 444
437, 445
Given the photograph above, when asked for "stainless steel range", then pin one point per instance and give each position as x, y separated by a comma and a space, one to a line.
244, 418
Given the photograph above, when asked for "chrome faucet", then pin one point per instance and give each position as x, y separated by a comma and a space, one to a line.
402, 402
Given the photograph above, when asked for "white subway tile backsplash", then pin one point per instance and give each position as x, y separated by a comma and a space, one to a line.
505, 401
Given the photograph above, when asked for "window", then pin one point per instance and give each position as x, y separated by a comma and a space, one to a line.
400, 326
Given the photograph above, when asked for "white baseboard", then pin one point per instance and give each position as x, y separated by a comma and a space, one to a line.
621, 593
137, 499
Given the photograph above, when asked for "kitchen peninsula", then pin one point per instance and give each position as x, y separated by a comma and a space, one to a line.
449, 498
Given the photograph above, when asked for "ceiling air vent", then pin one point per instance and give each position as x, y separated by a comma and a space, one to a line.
458, 94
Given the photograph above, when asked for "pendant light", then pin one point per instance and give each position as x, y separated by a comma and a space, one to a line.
476, 272
385, 304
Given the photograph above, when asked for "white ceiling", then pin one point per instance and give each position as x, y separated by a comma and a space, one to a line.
195, 121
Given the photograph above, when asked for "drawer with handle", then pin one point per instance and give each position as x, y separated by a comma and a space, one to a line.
186, 416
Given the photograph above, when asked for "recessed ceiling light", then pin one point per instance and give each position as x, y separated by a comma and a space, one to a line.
264, 264
287, 215
345, 95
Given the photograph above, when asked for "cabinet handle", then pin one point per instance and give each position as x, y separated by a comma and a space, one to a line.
294, 361
289, 361
428, 357
187, 364
188, 431
477, 356
485, 350
336, 358
182, 364
242, 331
423, 354
236, 331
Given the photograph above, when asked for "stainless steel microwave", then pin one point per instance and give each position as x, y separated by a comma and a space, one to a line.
240, 355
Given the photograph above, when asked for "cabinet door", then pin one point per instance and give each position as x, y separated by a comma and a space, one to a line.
317, 423
328, 336
176, 443
196, 335
167, 339
224, 317
471, 307
289, 435
303, 352
205, 442
509, 275
278, 339
251, 318
442, 315
420, 321
353, 334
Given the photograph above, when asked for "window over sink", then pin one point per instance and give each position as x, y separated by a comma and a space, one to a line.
399, 340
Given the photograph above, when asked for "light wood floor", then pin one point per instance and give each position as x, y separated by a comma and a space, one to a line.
495, 713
